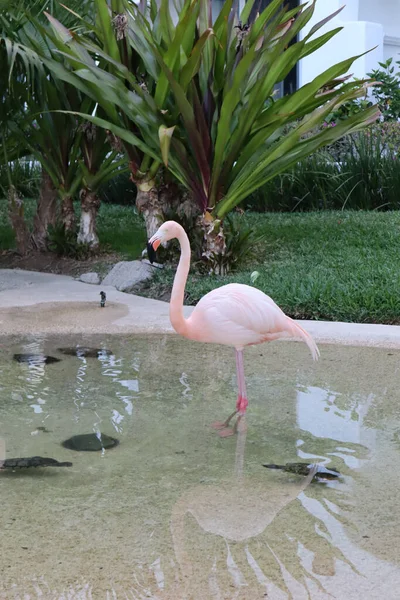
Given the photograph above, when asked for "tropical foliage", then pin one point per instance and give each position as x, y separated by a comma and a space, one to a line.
196, 95
207, 108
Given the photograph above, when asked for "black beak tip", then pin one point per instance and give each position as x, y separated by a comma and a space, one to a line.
151, 253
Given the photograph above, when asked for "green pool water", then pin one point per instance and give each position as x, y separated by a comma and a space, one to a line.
174, 512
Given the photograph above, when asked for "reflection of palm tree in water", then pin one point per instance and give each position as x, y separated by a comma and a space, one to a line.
238, 560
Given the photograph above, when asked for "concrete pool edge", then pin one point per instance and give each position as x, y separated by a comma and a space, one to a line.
27, 298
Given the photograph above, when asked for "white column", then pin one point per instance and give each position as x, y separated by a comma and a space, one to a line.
355, 38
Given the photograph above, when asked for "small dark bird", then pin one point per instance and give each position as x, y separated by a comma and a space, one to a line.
102, 299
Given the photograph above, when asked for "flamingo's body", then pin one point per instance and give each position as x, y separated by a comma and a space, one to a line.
240, 315
235, 315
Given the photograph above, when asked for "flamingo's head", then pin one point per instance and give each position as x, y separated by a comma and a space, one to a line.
168, 231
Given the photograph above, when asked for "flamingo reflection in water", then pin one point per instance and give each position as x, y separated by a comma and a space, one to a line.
247, 538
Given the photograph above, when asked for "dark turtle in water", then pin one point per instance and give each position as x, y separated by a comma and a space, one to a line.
34, 359
84, 352
90, 442
31, 461
299, 468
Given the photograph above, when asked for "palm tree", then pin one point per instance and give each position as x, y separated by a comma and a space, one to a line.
102, 159
106, 49
12, 149
51, 134
12, 96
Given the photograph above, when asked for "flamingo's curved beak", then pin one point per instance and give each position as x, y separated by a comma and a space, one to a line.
152, 246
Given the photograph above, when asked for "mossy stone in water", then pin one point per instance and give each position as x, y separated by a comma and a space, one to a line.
35, 359
90, 442
85, 352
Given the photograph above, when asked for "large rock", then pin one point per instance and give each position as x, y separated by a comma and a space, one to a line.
90, 442
153, 265
126, 274
93, 278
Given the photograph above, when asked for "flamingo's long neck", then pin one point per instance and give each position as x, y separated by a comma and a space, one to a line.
178, 290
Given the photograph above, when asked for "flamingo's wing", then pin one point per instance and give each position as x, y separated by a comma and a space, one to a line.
237, 315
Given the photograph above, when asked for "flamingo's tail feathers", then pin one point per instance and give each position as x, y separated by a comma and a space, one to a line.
306, 337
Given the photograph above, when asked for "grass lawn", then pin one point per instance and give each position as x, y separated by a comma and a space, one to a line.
121, 228
326, 265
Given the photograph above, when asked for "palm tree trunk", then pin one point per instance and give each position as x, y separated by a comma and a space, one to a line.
154, 201
68, 213
90, 204
214, 243
148, 203
16, 214
46, 213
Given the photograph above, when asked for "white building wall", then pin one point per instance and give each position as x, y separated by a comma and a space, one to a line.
391, 49
386, 12
355, 38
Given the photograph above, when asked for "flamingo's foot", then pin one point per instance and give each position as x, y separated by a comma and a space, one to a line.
222, 427
226, 432
217, 425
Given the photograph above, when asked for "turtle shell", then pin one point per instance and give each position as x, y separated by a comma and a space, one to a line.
36, 359
85, 352
32, 461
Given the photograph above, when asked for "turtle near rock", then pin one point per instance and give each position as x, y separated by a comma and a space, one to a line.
31, 461
27, 461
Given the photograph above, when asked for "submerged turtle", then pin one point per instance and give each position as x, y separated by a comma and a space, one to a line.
85, 352
27, 462
90, 442
301, 468
31, 461
34, 359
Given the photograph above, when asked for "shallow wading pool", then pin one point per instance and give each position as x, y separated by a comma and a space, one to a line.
174, 512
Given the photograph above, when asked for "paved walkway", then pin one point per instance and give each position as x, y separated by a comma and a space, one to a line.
33, 302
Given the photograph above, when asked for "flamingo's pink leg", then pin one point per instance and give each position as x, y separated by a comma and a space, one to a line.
242, 401
241, 404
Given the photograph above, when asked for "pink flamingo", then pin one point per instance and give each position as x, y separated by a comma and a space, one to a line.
234, 315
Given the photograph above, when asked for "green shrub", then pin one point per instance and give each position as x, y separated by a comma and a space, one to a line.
372, 170
361, 172
348, 109
387, 90
64, 243
310, 185
242, 242
119, 190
